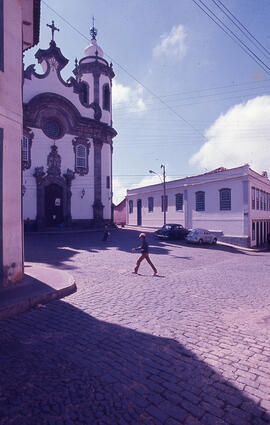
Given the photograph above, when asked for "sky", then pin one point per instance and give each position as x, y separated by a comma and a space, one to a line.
184, 94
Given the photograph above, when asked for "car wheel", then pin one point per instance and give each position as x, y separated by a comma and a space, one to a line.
214, 241
200, 241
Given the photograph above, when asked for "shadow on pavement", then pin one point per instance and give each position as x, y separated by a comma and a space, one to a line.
54, 249
61, 366
58, 249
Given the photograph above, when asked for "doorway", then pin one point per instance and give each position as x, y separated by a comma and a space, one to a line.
139, 212
54, 205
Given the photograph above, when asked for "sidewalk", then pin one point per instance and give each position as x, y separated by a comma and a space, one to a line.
40, 285
240, 248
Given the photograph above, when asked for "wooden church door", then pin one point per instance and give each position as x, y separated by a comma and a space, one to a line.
54, 205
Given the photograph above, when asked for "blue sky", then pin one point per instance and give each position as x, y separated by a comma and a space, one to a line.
191, 98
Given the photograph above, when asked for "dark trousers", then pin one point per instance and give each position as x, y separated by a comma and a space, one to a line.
142, 257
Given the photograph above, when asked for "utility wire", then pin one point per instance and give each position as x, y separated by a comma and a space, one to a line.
232, 35
267, 52
132, 76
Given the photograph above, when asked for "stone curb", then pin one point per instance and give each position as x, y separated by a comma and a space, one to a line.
35, 289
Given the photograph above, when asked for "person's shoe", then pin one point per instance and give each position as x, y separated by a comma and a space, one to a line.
134, 272
155, 273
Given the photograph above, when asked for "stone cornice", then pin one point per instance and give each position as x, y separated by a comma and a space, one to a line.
94, 67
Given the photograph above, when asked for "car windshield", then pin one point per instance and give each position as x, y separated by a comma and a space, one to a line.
193, 232
167, 227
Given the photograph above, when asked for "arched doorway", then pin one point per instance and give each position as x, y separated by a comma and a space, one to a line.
139, 212
54, 205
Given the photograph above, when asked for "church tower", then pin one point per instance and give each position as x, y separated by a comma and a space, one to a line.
68, 139
95, 75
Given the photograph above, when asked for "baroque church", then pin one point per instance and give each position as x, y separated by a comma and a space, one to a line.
68, 139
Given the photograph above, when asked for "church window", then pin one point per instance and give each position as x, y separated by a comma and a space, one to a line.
80, 156
179, 201
200, 201
81, 147
52, 128
108, 183
225, 199
1, 35
130, 204
84, 94
106, 97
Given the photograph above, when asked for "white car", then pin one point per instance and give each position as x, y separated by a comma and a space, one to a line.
200, 236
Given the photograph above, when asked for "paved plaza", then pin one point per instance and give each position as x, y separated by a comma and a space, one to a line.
189, 346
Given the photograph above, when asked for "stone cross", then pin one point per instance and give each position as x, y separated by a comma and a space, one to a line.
53, 28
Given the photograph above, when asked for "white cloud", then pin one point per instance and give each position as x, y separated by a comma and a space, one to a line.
172, 44
128, 98
240, 136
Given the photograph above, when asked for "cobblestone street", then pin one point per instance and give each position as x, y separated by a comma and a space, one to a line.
189, 346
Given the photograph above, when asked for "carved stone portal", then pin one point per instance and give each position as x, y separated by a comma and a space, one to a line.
48, 214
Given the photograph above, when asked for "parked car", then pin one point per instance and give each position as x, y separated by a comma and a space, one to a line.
172, 231
201, 236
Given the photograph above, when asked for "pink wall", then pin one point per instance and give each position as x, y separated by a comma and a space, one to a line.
119, 215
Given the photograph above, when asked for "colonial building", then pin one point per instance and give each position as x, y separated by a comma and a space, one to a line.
233, 202
119, 213
68, 139
19, 30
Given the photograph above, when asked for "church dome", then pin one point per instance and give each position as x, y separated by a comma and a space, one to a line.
93, 48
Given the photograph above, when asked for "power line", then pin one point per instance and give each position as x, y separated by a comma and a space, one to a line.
234, 37
263, 49
131, 76
201, 96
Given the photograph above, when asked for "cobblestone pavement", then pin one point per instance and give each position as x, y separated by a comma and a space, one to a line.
190, 346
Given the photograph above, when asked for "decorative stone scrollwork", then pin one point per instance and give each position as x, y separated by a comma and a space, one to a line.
54, 162
39, 174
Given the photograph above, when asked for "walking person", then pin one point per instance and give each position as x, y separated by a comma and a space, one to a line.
144, 254
106, 233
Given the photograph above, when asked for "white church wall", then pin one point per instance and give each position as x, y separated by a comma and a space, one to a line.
52, 84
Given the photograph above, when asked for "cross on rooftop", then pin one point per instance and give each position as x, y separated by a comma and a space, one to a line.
93, 30
53, 28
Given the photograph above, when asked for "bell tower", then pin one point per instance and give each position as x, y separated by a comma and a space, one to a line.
94, 74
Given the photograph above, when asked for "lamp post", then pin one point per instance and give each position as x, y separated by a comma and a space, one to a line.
163, 181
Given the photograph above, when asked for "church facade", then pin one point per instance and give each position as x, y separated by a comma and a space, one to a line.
68, 139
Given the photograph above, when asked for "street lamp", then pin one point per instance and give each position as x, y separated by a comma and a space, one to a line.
163, 181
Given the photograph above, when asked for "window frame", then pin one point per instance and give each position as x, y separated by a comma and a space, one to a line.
221, 206
106, 97
198, 201
78, 142
180, 196
29, 135
257, 199
150, 204
253, 198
